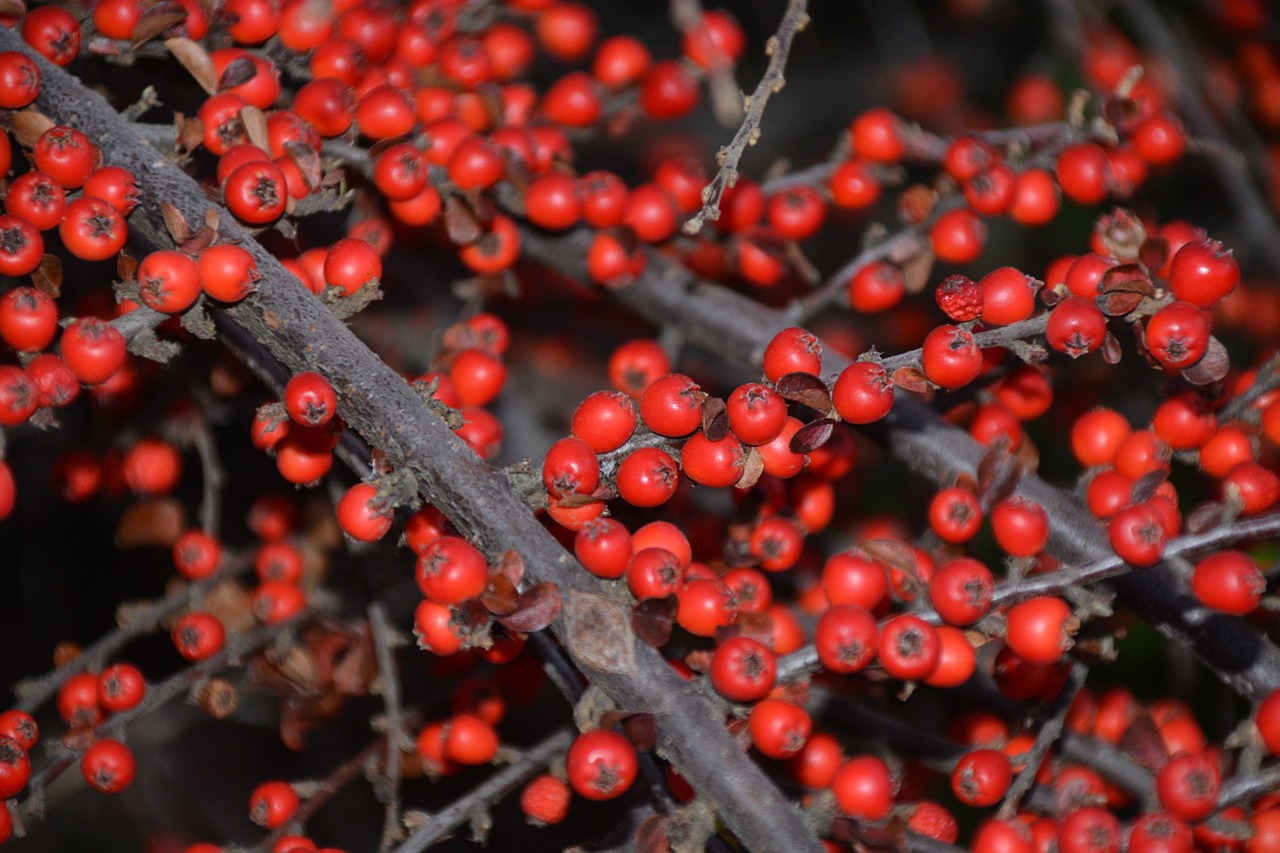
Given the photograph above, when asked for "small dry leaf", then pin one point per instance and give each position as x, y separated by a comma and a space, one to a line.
651, 836
175, 222
1206, 517
240, 71
13, 8
155, 21
1119, 304
1129, 278
198, 241
699, 660
1111, 350
1154, 253
1145, 489
806, 389
500, 597
28, 126
307, 160
917, 270
894, 553
255, 126
998, 473
1142, 742
195, 59
151, 522
752, 469
539, 606
47, 278
460, 223
911, 379
126, 266
713, 408
511, 566
812, 436
652, 620
1212, 367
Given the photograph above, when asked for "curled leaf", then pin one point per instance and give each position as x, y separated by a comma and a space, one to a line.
1111, 351
715, 418
307, 161
174, 222
238, 72
812, 436
1154, 253
255, 126
539, 606
1212, 367
1142, 742
500, 597
193, 57
156, 20
752, 468
911, 379
652, 620
511, 566
460, 223
806, 389
47, 277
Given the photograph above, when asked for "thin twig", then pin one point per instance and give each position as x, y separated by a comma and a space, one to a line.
388, 785
1048, 735
778, 47
135, 621
491, 791
157, 695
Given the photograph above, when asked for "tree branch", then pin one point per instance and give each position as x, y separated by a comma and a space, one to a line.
778, 48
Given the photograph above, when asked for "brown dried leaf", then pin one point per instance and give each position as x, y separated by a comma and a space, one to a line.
1145, 489
911, 379
190, 132
1212, 367
699, 660
155, 21
1120, 303
198, 241
47, 277
307, 160
240, 71
894, 553
232, 605
1142, 742
28, 126
917, 270
998, 474
651, 836
500, 597
511, 566
151, 522
713, 408
175, 222
460, 222
255, 126
195, 59
638, 727
806, 389
126, 266
13, 8
1126, 278
539, 606
653, 618
1206, 517
1111, 350
812, 436
1154, 253
752, 468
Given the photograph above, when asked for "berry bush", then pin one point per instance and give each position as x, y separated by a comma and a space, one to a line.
452, 422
